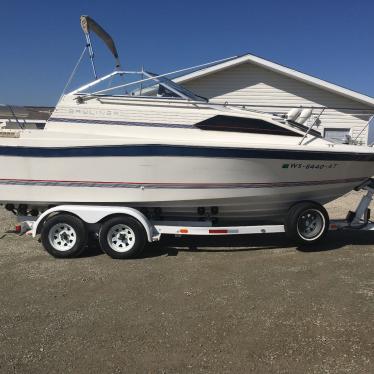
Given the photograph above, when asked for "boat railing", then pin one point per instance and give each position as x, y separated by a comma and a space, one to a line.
10, 113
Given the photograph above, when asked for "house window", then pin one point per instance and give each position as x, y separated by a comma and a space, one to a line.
336, 135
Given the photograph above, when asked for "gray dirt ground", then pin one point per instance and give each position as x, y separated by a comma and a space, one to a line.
227, 305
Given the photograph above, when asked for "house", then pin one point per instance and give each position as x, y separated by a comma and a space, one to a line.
266, 86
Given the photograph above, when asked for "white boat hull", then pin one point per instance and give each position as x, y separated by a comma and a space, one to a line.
241, 188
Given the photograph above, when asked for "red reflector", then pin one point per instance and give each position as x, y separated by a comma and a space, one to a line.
18, 228
218, 231
183, 231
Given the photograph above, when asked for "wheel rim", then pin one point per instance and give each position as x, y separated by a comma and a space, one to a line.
121, 238
311, 224
62, 237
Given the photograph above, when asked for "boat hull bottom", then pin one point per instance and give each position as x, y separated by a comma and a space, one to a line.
228, 205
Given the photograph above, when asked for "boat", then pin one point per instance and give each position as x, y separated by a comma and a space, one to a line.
151, 144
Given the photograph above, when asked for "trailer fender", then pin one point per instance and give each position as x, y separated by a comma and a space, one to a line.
94, 214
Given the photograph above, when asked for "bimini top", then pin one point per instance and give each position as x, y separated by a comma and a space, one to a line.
145, 84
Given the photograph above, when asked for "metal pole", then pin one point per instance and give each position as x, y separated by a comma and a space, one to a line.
141, 83
310, 127
363, 129
91, 53
72, 74
15, 117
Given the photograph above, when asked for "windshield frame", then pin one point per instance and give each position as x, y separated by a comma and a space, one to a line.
180, 91
175, 87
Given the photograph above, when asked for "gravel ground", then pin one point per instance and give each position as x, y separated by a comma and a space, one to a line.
211, 305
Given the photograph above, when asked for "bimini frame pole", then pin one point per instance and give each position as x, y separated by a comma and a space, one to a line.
88, 25
91, 53
86, 29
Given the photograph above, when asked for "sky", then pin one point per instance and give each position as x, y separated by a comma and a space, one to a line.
41, 41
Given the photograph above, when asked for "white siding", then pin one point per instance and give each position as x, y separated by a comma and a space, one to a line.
249, 84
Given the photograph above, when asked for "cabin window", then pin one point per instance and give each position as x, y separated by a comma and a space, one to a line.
244, 125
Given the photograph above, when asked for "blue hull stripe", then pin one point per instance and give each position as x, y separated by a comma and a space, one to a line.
55, 183
149, 150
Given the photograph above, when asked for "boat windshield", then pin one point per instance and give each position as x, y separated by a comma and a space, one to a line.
143, 84
168, 88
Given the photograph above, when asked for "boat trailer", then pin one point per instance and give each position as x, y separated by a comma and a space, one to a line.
123, 231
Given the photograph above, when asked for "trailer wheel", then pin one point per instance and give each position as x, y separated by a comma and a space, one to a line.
307, 222
122, 237
64, 236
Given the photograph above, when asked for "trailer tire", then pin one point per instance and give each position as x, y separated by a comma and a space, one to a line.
122, 237
64, 236
306, 223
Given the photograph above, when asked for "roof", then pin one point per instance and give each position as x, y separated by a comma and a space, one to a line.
249, 58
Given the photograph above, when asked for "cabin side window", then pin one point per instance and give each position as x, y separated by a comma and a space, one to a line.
243, 125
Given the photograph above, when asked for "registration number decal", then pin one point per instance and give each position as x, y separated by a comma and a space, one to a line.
307, 166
